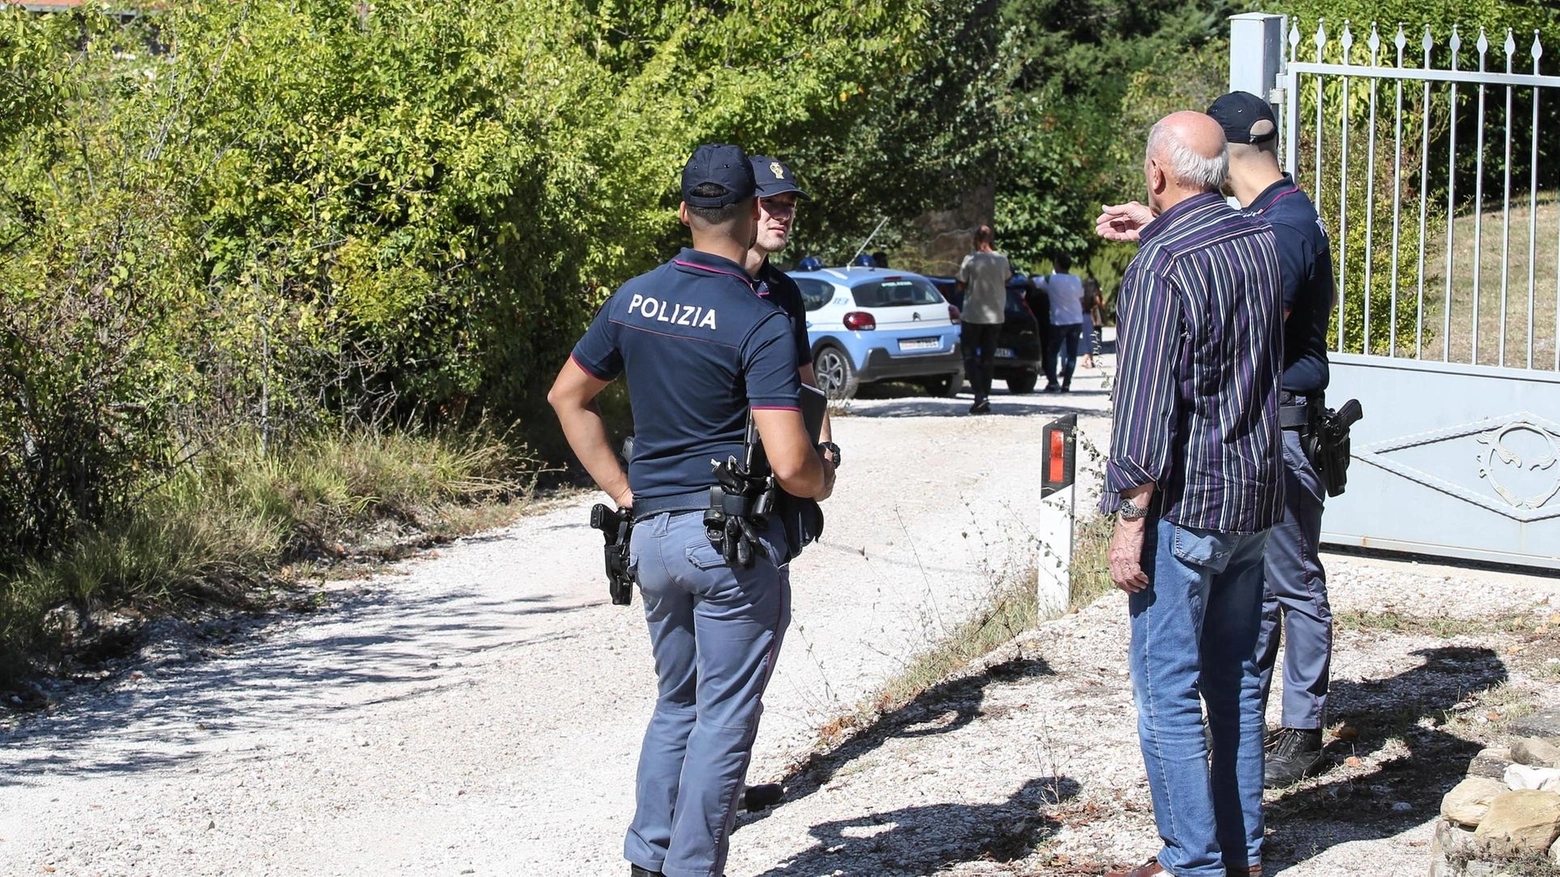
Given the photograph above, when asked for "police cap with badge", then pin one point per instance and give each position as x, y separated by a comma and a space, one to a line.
773, 177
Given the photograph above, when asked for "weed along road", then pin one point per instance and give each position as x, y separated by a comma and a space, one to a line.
479, 709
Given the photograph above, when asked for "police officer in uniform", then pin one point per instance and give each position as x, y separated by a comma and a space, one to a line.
1295, 608
700, 350
778, 200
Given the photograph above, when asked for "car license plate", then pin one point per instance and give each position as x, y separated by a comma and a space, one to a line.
919, 343
1005, 353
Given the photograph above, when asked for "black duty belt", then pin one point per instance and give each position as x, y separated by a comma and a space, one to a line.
695, 501
1293, 414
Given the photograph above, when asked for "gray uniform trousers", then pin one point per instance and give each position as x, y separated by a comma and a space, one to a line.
1294, 599
715, 630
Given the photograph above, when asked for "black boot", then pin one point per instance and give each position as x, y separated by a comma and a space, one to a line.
1292, 755
636, 871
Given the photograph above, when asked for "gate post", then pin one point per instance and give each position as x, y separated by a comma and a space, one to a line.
1256, 53
1058, 512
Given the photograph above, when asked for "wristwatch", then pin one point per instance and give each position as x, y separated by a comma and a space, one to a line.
832, 449
1130, 511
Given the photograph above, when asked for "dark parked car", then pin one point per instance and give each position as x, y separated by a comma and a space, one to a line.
1018, 344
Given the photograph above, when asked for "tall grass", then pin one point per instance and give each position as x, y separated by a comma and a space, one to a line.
229, 520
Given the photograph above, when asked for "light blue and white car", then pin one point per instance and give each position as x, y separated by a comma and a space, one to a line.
875, 324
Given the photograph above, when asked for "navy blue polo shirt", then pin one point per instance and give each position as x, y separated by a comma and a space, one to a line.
699, 349
778, 287
1305, 261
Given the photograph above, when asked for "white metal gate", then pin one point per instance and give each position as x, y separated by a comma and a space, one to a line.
1435, 165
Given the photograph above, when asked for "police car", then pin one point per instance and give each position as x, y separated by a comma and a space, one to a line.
875, 324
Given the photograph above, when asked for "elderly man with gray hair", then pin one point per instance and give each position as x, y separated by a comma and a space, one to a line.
1195, 480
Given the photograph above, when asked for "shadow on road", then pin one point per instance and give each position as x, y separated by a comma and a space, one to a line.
926, 839
1022, 406
224, 683
1329, 810
973, 831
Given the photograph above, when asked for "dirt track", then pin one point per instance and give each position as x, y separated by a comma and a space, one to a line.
479, 710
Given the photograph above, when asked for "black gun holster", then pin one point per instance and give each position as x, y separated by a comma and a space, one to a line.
740, 505
1326, 441
617, 528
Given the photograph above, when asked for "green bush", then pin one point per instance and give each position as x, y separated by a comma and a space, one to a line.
269, 217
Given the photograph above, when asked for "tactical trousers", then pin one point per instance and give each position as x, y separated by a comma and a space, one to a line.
1295, 611
715, 631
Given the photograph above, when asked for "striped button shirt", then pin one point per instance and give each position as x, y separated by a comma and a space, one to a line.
1200, 353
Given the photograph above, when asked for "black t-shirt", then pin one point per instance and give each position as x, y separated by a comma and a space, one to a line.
699, 349
1305, 261
778, 287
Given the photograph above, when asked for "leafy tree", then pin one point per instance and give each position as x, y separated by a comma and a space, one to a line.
309, 211
917, 138
1072, 91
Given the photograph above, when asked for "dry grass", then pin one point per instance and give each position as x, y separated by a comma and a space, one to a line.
1489, 234
225, 527
1013, 609
1443, 627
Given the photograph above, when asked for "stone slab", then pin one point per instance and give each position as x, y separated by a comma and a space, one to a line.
1535, 752
1544, 723
1524, 821
1470, 799
1491, 763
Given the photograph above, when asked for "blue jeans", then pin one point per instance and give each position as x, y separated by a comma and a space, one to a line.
1295, 610
1194, 632
715, 630
1063, 347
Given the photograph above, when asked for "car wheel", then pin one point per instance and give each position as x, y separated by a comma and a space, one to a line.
1022, 383
946, 386
836, 376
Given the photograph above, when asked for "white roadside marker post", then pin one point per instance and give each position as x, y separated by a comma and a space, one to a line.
1058, 512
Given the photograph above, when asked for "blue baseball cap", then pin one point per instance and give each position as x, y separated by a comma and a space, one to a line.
774, 178
720, 164
1244, 117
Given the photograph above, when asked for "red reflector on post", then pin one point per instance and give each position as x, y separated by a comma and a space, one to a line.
1061, 455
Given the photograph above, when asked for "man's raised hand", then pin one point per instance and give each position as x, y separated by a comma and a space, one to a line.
1122, 222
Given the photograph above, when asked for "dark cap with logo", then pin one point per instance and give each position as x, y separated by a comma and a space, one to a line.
774, 178
718, 164
1244, 117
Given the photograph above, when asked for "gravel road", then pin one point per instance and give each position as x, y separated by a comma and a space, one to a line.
478, 710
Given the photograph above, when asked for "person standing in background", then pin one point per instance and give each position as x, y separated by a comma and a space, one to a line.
779, 198
1066, 292
1093, 322
983, 280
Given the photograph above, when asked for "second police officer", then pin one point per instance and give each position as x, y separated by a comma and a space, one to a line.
700, 350
778, 200
1295, 609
